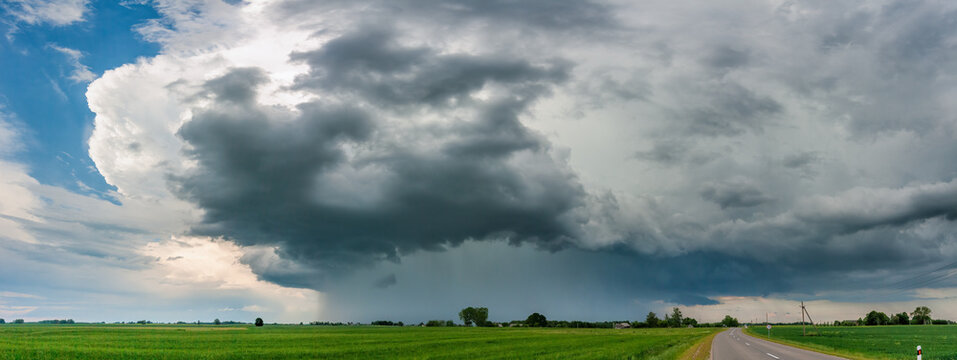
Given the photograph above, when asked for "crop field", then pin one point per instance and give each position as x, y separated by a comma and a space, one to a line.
872, 342
31, 341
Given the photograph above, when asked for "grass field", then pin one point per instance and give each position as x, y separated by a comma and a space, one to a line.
872, 342
366, 342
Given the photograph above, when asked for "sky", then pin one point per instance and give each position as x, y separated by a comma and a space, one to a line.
183, 160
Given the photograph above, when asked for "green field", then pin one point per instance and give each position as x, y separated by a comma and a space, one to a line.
872, 342
338, 342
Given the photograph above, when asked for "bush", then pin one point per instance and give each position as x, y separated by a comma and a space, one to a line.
387, 323
440, 323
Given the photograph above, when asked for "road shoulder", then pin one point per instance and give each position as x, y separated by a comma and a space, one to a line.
701, 350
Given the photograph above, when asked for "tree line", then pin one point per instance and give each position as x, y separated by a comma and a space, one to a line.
478, 316
920, 316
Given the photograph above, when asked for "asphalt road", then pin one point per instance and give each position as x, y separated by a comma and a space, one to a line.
735, 345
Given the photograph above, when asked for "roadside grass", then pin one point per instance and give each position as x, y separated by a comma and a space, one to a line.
700, 350
887, 342
32, 341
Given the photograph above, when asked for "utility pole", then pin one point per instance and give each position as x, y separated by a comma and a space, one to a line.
804, 311
803, 327
768, 322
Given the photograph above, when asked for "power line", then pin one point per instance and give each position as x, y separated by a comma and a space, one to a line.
923, 279
909, 281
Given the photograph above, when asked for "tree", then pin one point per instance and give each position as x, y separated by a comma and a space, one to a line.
217, 322
729, 321
675, 319
259, 321
536, 320
686, 322
921, 315
652, 320
466, 315
18, 321
876, 318
481, 316
2, 321
902, 318
470, 315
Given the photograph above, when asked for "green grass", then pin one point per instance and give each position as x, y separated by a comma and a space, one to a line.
871, 342
363, 342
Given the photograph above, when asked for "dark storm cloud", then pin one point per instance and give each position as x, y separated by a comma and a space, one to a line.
922, 37
730, 110
862, 209
664, 152
687, 299
898, 52
800, 160
371, 64
806, 163
386, 281
854, 230
269, 177
237, 86
734, 194
268, 266
573, 15
725, 57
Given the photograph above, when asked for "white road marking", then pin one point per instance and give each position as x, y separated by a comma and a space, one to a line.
748, 344
772, 355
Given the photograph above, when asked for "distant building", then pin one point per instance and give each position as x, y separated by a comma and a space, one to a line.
623, 325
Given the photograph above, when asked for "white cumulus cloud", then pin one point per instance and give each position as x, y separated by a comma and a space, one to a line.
54, 12
81, 73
